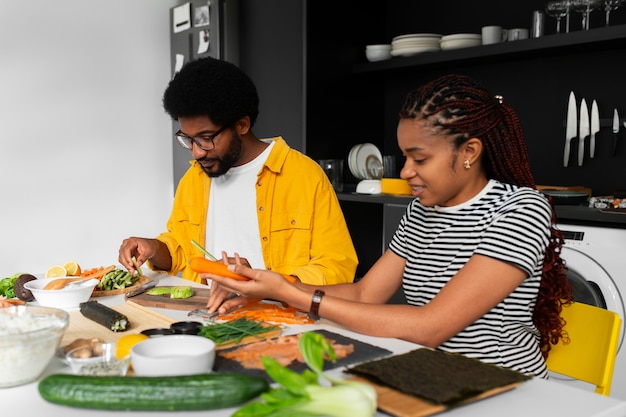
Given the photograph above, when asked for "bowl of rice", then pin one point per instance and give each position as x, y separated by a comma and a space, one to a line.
29, 337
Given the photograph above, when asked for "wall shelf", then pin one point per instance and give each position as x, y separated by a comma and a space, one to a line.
601, 37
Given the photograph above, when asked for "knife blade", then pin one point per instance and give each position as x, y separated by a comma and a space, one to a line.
145, 287
571, 127
615, 129
595, 128
583, 130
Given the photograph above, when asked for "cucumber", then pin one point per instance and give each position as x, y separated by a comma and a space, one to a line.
167, 393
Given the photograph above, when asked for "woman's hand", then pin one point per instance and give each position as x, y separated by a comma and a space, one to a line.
221, 298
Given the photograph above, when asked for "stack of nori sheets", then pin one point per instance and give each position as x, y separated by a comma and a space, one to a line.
436, 376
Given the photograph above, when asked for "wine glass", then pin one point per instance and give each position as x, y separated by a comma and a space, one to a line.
558, 9
609, 6
585, 7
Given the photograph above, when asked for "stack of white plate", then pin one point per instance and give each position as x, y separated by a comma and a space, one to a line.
407, 45
365, 162
460, 40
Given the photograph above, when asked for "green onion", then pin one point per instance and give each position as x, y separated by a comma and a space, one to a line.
206, 252
234, 331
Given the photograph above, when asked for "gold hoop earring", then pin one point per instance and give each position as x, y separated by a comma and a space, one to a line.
466, 164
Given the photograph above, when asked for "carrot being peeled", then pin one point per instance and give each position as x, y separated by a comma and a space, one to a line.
206, 266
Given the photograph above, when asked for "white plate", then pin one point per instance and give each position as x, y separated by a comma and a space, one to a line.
352, 161
418, 35
413, 51
367, 150
464, 36
459, 43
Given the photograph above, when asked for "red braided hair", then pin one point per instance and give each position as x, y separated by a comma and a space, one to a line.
462, 109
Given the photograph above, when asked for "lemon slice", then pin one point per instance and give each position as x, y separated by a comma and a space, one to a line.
56, 271
72, 268
125, 344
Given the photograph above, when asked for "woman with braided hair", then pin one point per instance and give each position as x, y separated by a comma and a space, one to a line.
476, 252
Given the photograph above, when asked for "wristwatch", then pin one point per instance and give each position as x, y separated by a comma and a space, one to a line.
315, 305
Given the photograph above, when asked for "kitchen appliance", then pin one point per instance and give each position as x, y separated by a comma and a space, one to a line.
571, 127
595, 259
201, 28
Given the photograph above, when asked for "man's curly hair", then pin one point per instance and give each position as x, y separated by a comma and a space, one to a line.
214, 88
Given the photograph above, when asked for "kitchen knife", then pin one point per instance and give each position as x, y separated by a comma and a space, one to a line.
145, 287
615, 129
571, 126
583, 130
595, 128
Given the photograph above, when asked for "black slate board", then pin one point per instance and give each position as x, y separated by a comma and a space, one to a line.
362, 352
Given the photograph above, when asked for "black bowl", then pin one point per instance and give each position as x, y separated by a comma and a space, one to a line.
158, 332
186, 327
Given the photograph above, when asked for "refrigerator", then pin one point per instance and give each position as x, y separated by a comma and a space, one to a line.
200, 28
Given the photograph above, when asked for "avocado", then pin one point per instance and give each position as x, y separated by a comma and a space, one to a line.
21, 292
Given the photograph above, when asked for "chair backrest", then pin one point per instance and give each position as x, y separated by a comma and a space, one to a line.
590, 356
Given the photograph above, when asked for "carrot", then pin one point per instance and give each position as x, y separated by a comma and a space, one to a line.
98, 272
206, 266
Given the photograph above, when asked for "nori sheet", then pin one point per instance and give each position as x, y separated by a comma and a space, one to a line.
436, 376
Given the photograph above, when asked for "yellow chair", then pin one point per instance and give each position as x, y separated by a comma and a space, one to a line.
590, 356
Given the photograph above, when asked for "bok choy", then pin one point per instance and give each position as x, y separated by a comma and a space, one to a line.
303, 395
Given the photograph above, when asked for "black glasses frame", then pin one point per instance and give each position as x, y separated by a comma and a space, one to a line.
205, 143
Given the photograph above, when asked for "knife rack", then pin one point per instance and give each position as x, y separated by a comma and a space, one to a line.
606, 122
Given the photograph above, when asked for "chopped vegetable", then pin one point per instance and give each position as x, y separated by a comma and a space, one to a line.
137, 267
267, 312
116, 279
302, 394
206, 252
173, 292
234, 331
97, 273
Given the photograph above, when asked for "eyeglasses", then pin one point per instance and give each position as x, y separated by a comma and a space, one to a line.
203, 142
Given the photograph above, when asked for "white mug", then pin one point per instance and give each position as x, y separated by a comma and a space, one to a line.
517, 34
493, 34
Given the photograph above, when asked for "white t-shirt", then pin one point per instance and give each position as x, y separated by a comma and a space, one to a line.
232, 222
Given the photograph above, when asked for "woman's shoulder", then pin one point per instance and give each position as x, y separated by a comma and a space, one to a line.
513, 196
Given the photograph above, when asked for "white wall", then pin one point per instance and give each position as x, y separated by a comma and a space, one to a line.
85, 146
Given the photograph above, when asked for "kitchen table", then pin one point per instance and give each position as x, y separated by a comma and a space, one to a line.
536, 397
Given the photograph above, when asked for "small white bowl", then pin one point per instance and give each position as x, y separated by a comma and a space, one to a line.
173, 355
369, 187
375, 53
65, 298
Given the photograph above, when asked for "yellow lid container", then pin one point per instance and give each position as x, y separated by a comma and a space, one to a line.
395, 186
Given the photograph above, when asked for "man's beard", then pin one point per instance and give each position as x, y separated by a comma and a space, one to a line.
223, 164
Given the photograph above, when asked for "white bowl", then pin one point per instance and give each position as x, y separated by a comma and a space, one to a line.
65, 298
369, 187
29, 337
173, 355
375, 53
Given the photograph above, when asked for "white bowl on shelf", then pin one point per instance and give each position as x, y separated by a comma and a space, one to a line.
378, 52
369, 187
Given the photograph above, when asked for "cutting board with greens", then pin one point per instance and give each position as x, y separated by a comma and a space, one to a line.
199, 299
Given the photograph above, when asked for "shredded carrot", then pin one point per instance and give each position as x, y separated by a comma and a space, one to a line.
270, 313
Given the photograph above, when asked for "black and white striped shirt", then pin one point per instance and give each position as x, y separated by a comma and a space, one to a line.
504, 222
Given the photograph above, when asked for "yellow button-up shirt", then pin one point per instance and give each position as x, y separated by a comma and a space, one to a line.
301, 224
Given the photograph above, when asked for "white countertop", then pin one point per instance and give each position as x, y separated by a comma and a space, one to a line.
536, 397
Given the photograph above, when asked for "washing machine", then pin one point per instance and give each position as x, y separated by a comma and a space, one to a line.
596, 261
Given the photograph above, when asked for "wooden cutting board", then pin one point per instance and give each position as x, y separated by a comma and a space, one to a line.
140, 318
399, 404
198, 300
